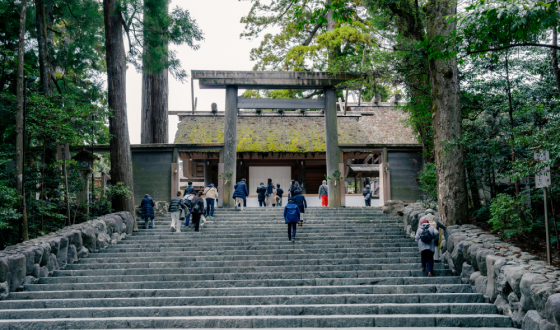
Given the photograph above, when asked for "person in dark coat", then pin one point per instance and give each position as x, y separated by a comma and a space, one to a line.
189, 190
300, 201
291, 217
367, 195
270, 193
279, 193
240, 194
291, 188
197, 210
261, 192
148, 211
176, 208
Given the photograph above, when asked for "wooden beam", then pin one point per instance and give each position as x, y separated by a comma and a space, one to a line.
243, 103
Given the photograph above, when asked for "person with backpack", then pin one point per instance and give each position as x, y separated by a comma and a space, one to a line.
291, 218
188, 202
270, 194
261, 193
211, 193
189, 190
367, 195
427, 236
324, 194
300, 201
279, 193
240, 194
197, 210
176, 206
147, 206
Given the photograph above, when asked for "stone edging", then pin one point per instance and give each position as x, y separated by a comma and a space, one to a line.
519, 284
26, 262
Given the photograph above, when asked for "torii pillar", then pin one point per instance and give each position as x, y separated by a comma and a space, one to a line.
230, 144
332, 152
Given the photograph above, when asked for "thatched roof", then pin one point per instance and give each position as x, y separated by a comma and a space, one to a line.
294, 134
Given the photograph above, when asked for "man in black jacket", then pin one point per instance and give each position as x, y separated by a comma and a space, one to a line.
261, 192
300, 201
175, 207
279, 193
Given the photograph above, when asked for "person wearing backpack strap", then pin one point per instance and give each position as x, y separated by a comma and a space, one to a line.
427, 236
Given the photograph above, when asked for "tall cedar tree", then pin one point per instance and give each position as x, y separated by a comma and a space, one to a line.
121, 159
155, 83
447, 119
20, 142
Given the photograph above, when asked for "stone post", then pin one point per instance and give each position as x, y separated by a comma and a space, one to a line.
230, 144
331, 138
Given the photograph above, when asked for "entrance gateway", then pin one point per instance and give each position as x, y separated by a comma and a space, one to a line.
232, 81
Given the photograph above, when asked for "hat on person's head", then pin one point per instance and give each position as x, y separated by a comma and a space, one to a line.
430, 211
211, 185
424, 221
262, 183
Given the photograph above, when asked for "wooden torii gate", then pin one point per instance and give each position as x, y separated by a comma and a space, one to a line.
232, 81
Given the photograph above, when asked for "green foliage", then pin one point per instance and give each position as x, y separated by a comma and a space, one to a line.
118, 191
508, 216
428, 181
150, 29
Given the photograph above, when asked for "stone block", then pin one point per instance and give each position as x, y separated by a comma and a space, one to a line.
52, 264
83, 253
531, 321
103, 241
29, 254
62, 255
466, 245
30, 280
4, 290
76, 239
46, 253
466, 273
540, 293
35, 272
491, 262
4, 270
513, 276
43, 272
457, 257
17, 271
552, 309
72, 256
474, 276
471, 251
480, 284
528, 280
89, 238
481, 260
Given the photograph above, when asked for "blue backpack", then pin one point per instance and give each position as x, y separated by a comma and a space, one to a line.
426, 236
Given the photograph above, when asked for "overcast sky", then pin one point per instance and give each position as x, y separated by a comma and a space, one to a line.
222, 49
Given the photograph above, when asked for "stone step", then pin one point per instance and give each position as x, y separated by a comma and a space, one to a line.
386, 320
325, 246
420, 293
382, 257
90, 278
250, 310
231, 255
200, 238
279, 228
276, 235
295, 277
119, 249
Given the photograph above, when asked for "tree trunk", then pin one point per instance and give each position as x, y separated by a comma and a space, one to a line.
155, 87
511, 122
121, 159
44, 66
155, 92
554, 58
446, 114
20, 139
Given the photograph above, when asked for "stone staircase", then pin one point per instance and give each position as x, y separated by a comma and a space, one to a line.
350, 267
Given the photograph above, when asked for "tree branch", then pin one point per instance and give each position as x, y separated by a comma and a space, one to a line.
312, 34
525, 44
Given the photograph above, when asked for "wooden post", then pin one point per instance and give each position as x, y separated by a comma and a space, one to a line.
332, 150
301, 175
230, 145
174, 173
342, 186
220, 185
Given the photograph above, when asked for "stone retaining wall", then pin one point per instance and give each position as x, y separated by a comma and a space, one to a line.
26, 262
518, 283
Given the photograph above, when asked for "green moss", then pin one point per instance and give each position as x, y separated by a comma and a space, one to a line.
274, 134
